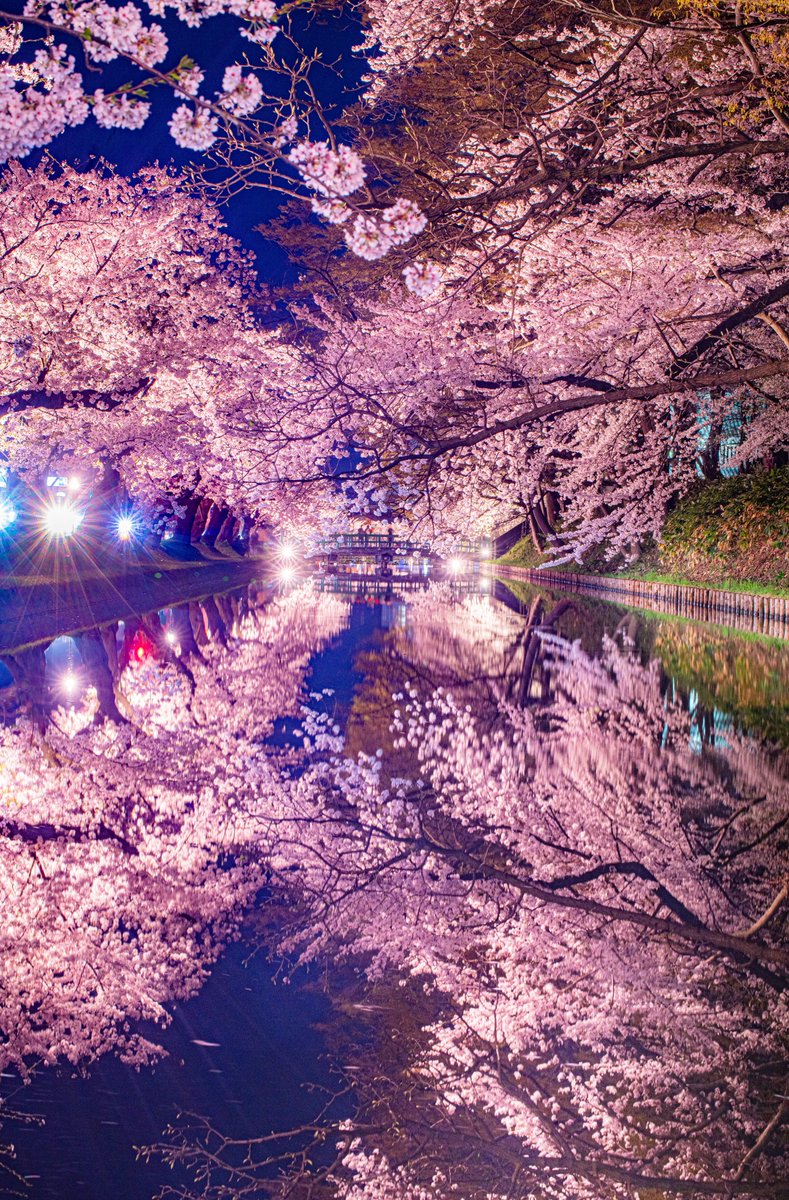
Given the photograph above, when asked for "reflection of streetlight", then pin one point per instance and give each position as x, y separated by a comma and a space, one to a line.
69, 683
61, 520
171, 637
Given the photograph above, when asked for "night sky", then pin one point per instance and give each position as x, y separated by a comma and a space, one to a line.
213, 46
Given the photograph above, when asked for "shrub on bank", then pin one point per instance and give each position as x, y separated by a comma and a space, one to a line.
733, 529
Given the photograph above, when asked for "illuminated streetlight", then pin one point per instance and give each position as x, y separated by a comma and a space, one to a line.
287, 551
456, 565
125, 527
74, 483
7, 514
287, 575
61, 520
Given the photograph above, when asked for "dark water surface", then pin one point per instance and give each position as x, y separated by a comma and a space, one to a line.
132, 755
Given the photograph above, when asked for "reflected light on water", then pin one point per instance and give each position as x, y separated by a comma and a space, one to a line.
545, 730
69, 683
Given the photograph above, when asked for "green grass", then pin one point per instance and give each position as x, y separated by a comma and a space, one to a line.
522, 554
750, 586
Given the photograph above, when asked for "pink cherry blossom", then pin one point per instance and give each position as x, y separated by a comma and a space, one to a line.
422, 278
369, 237
403, 220
336, 212
36, 109
193, 128
331, 172
120, 112
242, 94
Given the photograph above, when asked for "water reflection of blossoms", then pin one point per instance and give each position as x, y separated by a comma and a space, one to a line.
126, 818
567, 923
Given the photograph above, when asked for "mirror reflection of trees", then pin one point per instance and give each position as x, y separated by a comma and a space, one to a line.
566, 923
127, 809
550, 915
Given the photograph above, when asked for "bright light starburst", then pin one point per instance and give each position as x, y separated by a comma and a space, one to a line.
61, 520
125, 528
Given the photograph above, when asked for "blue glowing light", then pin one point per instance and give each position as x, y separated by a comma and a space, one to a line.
7, 514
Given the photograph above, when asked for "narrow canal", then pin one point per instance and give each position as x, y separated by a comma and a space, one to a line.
483, 867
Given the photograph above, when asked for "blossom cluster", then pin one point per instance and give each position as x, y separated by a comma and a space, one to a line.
373, 235
189, 80
193, 129
119, 111
242, 94
422, 278
34, 115
107, 32
41, 98
336, 212
331, 172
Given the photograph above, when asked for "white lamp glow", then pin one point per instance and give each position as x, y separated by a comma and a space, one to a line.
125, 528
69, 683
61, 520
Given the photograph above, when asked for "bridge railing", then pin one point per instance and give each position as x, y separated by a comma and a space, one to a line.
381, 543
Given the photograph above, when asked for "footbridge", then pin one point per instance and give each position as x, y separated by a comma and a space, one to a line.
390, 545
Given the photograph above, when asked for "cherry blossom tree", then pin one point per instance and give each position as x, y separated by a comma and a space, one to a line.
579, 395
129, 341
585, 265
576, 303
252, 121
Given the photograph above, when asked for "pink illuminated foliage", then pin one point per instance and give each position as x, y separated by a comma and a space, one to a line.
579, 285
45, 91
129, 337
127, 841
565, 921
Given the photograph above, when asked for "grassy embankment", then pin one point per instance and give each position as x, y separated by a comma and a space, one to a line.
732, 535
